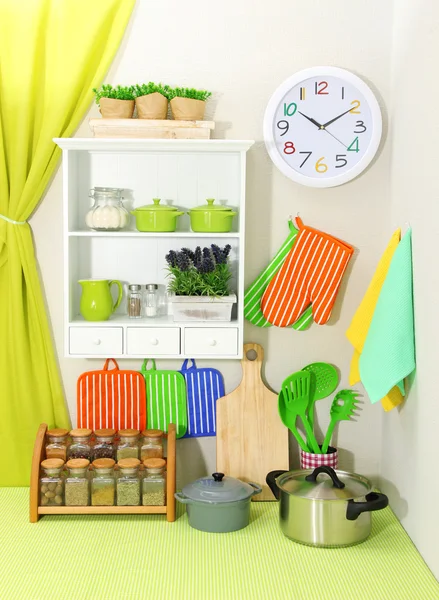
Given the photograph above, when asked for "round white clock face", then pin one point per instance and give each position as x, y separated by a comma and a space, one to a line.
322, 126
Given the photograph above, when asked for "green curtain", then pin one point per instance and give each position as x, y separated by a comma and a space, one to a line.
52, 53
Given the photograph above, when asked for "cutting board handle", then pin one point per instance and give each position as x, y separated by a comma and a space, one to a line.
252, 368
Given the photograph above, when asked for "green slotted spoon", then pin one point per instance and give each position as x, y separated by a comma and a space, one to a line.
324, 381
342, 409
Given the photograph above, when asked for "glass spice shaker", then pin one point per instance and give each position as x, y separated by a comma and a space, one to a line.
51, 483
103, 485
151, 445
77, 482
128, 482
127, 446
56, 446
151, 300
154, 482
80, 446
104, 444
134, 301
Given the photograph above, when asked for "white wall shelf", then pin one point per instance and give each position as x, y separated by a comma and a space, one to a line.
182, 173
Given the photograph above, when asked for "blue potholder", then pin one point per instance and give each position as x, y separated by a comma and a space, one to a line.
203, 388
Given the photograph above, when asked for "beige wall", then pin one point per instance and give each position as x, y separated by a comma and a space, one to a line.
409, 450
243, 51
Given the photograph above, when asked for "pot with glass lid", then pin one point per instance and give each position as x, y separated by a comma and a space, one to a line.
323, 507
107, 213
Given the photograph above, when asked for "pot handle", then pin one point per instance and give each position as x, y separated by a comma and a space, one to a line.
374, 501
271, 482
312, 477
258, 488
182, 498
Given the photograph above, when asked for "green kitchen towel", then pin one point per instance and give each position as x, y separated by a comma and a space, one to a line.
254, 293
389, 350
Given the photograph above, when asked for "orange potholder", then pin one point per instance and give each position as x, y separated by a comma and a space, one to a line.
311, 274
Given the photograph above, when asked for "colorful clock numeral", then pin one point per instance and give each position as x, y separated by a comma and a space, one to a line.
354, 147
289, 148
302, 93
309, 154
360, 124
354, 110
341, 158
320, 167
289, 109
284, 126
320, 87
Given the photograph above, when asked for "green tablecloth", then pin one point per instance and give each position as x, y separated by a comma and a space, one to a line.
136, 557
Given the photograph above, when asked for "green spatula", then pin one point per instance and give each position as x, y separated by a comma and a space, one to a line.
289, 420
342, 409
296, 391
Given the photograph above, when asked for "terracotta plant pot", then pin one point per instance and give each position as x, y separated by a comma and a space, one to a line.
152, 106
116, 109
187, 109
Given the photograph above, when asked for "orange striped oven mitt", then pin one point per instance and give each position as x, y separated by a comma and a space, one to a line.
311, 274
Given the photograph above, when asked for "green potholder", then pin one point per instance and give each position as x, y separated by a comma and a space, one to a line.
165, 399
254, 293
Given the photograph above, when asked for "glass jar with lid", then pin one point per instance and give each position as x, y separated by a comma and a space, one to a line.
51, 483
56, 445
104, 444
81, 445
77, 482
128, 446
103, 485
151, 300
128, 482
107, 213
134, 301
151, 445
154, 482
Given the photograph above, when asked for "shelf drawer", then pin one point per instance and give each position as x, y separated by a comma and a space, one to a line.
211, 340
153, 340
96, 340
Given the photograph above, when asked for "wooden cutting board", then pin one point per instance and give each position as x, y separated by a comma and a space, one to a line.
251, 440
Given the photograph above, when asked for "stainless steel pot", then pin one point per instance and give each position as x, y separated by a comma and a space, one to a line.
332, 511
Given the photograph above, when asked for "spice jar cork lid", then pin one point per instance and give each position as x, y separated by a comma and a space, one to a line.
77, 463
57, 432
154, 463
52, 463
152, 433
105, 432
80, 432
128, 432
103, 463
128, 463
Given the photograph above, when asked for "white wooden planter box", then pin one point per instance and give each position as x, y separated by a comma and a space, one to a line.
202, 308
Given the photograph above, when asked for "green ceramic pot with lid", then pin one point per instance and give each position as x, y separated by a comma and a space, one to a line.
213, 218
156, 217
218, 504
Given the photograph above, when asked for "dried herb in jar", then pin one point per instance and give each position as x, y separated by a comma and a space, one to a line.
154, 498
103, 495
128, 493
128, 452
77, 493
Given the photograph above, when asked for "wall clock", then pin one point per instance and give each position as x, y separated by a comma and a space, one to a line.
322, 126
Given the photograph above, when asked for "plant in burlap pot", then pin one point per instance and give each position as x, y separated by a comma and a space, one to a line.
188, 104
151, 100
115, 102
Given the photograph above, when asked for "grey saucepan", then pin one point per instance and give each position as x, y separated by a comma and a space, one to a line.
323, 507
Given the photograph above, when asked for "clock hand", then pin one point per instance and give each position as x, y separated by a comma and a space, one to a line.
313, 121
336, 118
336, 138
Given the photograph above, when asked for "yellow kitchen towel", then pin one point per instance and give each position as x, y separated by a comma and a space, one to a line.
357, 331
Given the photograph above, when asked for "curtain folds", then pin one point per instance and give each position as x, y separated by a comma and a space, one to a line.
52, 53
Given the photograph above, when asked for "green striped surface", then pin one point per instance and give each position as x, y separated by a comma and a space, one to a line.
145, 557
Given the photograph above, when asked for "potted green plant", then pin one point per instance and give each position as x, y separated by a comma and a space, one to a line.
115, 102
151, 100
199, 284
188, 104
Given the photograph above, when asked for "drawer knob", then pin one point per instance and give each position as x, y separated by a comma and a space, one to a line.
97, 342
154, 342
212, 342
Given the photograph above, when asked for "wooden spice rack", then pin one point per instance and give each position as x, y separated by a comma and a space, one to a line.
35, 511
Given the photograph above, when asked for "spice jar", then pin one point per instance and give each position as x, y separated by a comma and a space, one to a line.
77, 483
128, 482
103, 483
151, 300
56, 446
151, 445
134, 301
154, 482
127, 447
107, 213
51, 483
80, 446
104, 444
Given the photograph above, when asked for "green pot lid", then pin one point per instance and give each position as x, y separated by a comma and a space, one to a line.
156, 206
218, 489
210, 206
